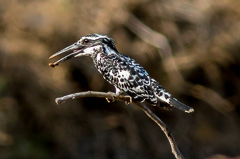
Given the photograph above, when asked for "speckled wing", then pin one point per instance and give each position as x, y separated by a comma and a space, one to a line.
143, 87
138, 81
154, 92
128, 76
166, 97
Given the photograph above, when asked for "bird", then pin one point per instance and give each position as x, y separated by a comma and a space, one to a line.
121, 71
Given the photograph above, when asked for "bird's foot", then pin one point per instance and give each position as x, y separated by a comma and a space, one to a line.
129, 102
110, 100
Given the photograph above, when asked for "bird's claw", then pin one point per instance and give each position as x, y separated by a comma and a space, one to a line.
109, 101
129, 102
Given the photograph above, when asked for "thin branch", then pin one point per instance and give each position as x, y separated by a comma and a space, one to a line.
128, 99
107, 95
164, 128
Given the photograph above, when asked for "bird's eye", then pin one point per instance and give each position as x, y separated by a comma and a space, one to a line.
85, 41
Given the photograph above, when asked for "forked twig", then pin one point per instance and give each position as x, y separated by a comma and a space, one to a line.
126, 98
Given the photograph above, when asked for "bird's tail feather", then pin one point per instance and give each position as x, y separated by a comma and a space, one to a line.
177, 104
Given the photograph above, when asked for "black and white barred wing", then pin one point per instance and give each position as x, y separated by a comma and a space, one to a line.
130, 77
156, 93
133, 79
166, 97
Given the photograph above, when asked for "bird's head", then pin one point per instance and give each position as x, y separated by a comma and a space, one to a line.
87, 45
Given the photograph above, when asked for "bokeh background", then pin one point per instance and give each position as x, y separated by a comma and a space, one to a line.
192, 47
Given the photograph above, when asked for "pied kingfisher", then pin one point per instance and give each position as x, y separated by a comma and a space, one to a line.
124, 73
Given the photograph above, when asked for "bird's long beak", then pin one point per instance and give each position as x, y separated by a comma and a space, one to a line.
75, 48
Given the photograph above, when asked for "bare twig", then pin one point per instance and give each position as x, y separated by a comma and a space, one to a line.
126, 98
164, 128
107, 95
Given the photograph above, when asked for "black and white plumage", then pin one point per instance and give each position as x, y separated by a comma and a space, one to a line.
124, 73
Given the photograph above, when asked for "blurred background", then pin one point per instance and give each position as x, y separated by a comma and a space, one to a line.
190, 46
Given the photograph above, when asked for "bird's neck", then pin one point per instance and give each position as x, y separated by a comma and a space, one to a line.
105, 50
109, 49
103, 57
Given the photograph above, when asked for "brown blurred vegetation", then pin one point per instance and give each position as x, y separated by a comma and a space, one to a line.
201, 68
